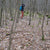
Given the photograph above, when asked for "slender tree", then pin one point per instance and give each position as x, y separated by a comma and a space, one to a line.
1, 11
45, 10
1, 15
30, 14
11, 32
10, 8
18, 12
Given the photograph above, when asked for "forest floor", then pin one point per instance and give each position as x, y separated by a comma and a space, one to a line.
26, 37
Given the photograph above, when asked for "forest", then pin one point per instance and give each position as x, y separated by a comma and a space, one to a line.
27, 28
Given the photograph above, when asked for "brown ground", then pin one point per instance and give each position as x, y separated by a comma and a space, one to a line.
26, 37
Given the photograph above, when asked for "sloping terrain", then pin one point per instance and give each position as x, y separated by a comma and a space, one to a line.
25, 37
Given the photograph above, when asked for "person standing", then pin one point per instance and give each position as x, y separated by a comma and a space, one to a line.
22, 10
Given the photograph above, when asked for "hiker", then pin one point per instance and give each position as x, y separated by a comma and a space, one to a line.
22, 10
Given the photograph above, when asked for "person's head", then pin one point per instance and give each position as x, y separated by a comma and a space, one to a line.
23, 5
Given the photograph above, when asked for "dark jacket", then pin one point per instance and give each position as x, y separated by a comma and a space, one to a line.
23, 7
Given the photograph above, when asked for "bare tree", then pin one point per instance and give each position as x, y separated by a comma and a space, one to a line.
45, 10
6, 14
9, 48
30, 14
11, 32
10, 8
18, 12
1, 11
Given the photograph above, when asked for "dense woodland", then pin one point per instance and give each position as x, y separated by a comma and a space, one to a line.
30, 33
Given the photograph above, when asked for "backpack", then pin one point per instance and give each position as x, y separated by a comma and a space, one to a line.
20, 8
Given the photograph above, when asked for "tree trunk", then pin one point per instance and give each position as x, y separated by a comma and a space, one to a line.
30, 14
18, 12
10, 8
45, 10
1, 16
42, 28
11, 32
